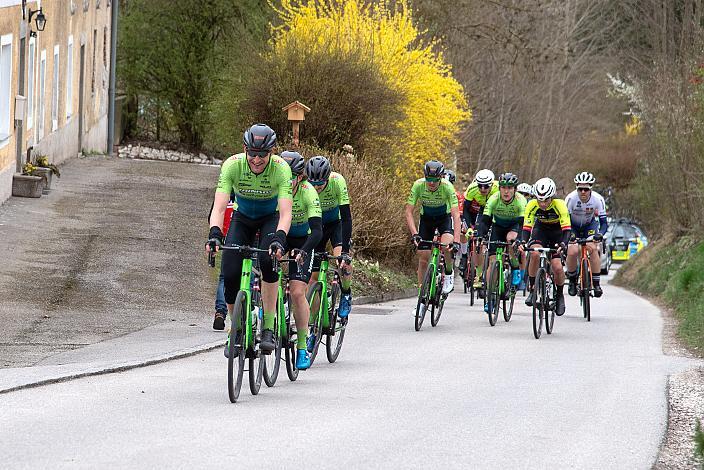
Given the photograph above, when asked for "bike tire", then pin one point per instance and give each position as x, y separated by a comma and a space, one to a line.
586, 290
290, 345
333, 341
492, 294
235, 363
538, 307
508, 312
423, 299
470, 276
272, 362
550, 295
438, 302
315, 329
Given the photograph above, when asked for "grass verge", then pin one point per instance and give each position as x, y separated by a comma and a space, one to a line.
673, 272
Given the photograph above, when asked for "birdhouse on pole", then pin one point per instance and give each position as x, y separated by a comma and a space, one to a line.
296, 113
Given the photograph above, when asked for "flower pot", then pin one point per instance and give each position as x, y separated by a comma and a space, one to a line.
27, 186
45, 173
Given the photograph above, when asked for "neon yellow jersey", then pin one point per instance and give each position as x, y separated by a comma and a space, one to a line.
333, 196
305, 205
255, 195
475, 199
433, 203
555, 217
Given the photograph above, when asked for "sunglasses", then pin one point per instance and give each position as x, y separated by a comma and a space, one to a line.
316, 183
432, 179
585, 190
484, 186
257, 153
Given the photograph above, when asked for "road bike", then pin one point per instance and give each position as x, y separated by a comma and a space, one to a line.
324, 304
500, 291
585, 282
430, 293
544, 303
470, 273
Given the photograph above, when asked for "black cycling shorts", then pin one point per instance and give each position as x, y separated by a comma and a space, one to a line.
545, 237
498, 234
332, 232
298, 272
428, 226
243, 231
586, 231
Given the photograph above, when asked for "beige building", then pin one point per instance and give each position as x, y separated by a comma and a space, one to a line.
53, 83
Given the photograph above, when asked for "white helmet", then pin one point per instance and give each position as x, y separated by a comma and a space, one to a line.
584, 178
544, 189
525, 188
484, 177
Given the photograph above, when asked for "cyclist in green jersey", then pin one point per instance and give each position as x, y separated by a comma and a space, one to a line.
504, 212
305, 233
439, 211
337, 223
482, 188
261, 182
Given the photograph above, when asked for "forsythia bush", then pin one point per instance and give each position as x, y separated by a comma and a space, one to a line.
432, 104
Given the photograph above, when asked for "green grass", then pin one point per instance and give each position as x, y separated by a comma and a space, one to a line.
371, 278
673, 271
699, 442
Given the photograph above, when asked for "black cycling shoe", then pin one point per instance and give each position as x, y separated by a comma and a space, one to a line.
463, 265
267, 343
560, 305
530, 299
572, 288
597, 291
219, 321
227, 349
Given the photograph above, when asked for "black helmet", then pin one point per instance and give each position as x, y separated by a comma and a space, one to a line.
434, 169
295, 161
318, 169
450, 175
508, 179
259, 138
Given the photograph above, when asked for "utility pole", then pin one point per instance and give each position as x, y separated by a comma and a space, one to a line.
113, 65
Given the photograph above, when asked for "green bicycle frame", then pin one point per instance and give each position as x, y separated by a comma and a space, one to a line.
502, 281
245, 279
433, 263
324, 307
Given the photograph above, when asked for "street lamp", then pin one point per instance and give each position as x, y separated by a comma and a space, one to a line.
41, 19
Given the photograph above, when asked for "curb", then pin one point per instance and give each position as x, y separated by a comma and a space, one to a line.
367, 299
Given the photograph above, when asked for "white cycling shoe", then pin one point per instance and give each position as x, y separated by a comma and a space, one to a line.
449, 284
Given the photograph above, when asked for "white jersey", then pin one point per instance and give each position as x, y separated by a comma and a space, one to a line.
584, 213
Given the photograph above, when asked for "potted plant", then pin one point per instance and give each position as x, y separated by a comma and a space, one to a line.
46, 170
27, 184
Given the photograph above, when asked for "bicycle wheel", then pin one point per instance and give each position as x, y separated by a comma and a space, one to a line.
470, 276
256, 358
290, 344
538, 305
272, 362
508, 311
438, 302
550, 295
315, 331
423, 299
333, 341
492, 293
236, 351
586, 289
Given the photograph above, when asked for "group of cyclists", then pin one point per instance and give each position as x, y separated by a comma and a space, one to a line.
291, 206
505, 210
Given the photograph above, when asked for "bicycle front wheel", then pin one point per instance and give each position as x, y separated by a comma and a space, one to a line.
508, 304
290, 344
236, 347
550, 296
586, 289
272, 362
538, 305
336, 334
492, 293
315, 330
423, 299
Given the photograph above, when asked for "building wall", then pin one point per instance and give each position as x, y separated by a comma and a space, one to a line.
87, 23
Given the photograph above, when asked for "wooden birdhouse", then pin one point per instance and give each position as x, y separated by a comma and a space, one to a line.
296, 113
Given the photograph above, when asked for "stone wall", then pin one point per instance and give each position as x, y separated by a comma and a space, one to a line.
148, 153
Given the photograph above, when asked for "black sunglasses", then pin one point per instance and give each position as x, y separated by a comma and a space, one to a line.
584, 189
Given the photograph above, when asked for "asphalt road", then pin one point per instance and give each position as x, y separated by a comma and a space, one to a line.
461, 395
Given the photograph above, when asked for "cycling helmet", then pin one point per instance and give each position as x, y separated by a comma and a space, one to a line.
544, 189
259, 138
508, 179
318, 169
295, 161
450, 175
525, 188
584, 178
434, 169
484, 177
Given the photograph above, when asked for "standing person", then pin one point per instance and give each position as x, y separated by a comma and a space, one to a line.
475, 197
220, 304
588, 216
337, 223
439, 211
261, 182
304, 235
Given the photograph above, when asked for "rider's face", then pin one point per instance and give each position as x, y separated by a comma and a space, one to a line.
257, 160
484, 189
544, 204
585, 192
507, 193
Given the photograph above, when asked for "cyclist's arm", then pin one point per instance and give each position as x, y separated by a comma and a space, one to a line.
346, 221
603, 224
315, 235
467, 214
484, 222
517, 228
456, 225
410, 223
285, 214
217, 215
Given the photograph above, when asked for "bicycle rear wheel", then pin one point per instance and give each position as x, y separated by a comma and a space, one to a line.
315, 330
586, 289
538, 306
423, 298
236, 350
470, 276
492, 294
333, 341
508, 304
290, 344
272, 362
550, 295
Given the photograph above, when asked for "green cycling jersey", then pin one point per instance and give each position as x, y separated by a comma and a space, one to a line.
474, 200
256, 196
506, 214
305, 205
433, 203
333, 196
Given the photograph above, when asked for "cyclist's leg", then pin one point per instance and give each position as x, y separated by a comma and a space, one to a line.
345, 275
270, 278
572, 262
514, 259
426, 231
242, 232
322, 246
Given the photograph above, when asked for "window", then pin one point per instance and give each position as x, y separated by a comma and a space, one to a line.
42, 95
55, 92
31, 68
5, 86
92, 75
69, 78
